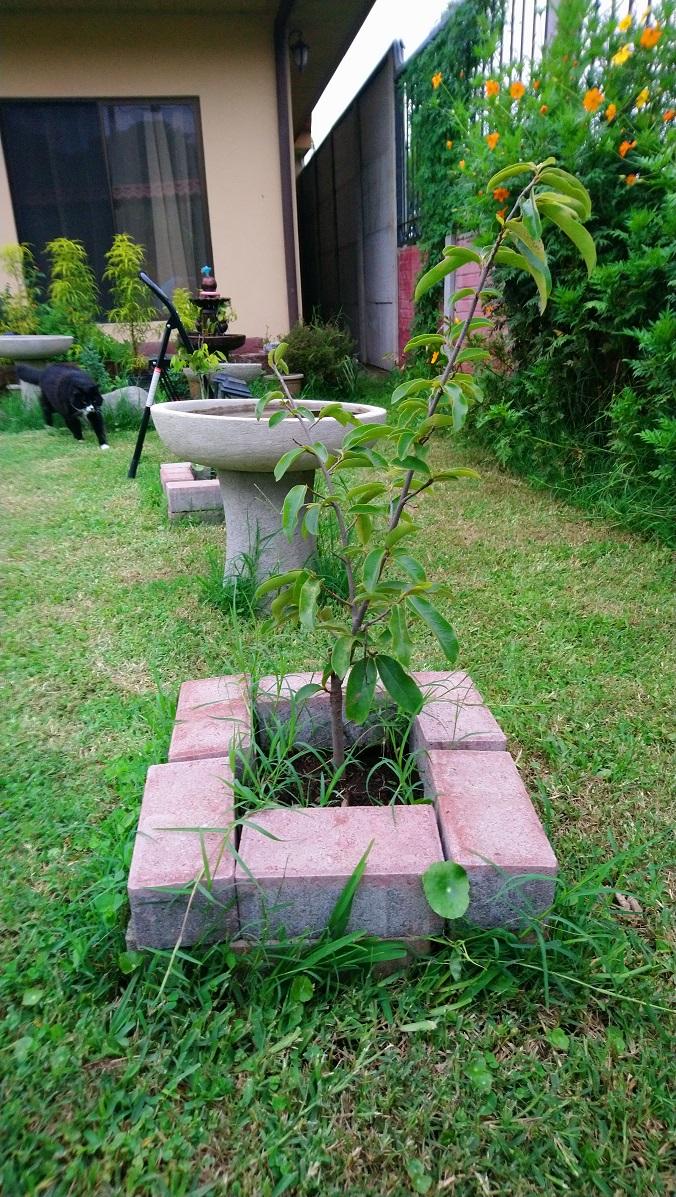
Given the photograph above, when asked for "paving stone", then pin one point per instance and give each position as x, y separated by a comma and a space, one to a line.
189, 795
454, 716
193, 495
489, 825
213, 716
175, 471
291, 883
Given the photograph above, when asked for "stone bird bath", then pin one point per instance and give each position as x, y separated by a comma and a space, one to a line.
244, 451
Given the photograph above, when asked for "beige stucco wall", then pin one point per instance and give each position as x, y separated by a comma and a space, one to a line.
228, 63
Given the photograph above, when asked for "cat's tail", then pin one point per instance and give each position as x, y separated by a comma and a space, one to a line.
29, 374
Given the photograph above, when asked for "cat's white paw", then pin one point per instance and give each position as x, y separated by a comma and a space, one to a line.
104, 446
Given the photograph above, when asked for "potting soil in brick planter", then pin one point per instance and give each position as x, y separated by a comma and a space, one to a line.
275, 873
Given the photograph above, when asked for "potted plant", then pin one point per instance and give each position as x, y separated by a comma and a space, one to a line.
368, 665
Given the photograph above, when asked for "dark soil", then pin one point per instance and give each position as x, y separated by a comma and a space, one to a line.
367, 781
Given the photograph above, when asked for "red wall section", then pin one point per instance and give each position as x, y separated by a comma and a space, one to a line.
408, 271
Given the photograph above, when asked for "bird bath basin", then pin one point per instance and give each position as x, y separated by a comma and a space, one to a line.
27, 347
225, 434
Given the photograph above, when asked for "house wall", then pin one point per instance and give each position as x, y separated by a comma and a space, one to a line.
228, 63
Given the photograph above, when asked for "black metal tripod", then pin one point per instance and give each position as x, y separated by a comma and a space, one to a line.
160, 373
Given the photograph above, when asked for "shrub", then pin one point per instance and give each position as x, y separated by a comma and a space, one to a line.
19, 297
73, 293
319, 350
589, 388
132, 307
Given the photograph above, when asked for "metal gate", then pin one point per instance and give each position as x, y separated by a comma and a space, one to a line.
347, 215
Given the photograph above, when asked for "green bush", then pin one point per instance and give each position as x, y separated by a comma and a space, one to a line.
587, 394
319, 350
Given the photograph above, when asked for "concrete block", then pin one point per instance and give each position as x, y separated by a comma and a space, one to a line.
454, 716
195, 495
175, 471
169, 856
213, 717
489, 825
291, 883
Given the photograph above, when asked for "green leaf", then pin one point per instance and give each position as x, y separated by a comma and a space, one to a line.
480, 1074
367, 432
365, 491
410, 566
287, 460
401, 643
565, 201
437, 624
454, 256
446, 887
400, 685
508, 172
307, 691
307, 603
515, 261
277, 417
459, 404
341, 655
291, 509
432, 340
558, 1039
279, 352
302, 989
311, 520
372, 567
398, 533
453, 475
360, 689
413, 387
363, 526
472, 354
32, 997
278, 581
582, 240
463, 293
531, 217
420, 1179
128, 962
336, 411
560, 180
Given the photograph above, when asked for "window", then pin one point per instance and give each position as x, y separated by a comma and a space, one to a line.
88, 169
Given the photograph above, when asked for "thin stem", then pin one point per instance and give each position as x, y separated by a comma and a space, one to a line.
337, 730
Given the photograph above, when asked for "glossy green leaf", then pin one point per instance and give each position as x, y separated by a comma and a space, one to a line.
515, 261
307, 604
278, 581
413, 387
399, 533
472, 354
575, 231
360, 690
287, 460
277, 417
291, 509
410, 566
400, 685
454, 475
366, 433
454, 256
429, 340
508, 172
531, 217
341, 655
400, 638
336, 411
372, 568
446, 887
311, 520
302, 989
363, 526
560, 180
463, 293
279, 352
365, 491
438, 625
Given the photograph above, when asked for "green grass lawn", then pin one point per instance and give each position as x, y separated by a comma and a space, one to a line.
480, 1072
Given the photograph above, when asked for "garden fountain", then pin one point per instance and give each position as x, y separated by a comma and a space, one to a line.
244, 450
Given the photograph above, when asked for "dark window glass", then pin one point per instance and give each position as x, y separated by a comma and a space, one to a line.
57, 176
89, 170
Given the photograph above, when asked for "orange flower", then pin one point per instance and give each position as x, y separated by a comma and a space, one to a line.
544, 109
437, 80
500, 194
630, 180
492, 88
593, 99
669, 114
461, 163
642, 98
622, 55
650, 36
449, 145
492, 140
501, 212
536, 85
517, 90
611, 112
625, 147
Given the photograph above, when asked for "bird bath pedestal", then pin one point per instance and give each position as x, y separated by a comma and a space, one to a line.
244, 451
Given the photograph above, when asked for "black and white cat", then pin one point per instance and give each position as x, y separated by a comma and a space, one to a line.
72, 393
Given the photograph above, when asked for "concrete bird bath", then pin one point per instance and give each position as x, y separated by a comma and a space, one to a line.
26, 347
244, 451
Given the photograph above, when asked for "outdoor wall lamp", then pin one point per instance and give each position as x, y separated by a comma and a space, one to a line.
299, 49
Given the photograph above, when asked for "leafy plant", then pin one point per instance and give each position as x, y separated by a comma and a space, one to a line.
386, 585
73, 293
202, 361
319, 350
19, 297
187, 310
131, 303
